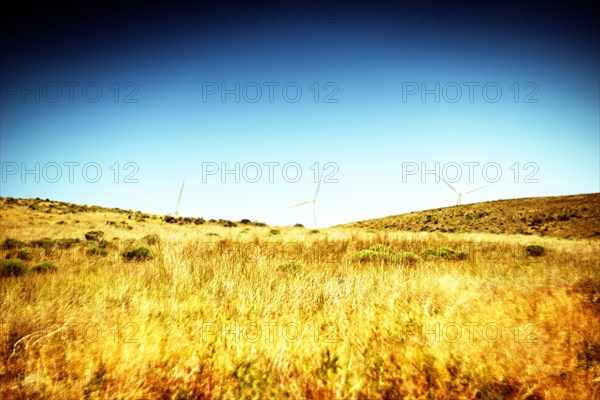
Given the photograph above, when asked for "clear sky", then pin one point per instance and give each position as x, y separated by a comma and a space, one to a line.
118, 108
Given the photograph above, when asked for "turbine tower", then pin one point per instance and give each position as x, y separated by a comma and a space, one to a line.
313, 202
176, 214
459, 194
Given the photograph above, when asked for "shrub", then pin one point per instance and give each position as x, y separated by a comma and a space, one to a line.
12, 267
22, 254
44, 267
245, 221
67, 243
11, 244
44, 243
290, 267
137, 254
534, 250
366, 256
151, 239
445, 252
274, 232
97, 251
298, 226
429, 253
407, 257
94, 235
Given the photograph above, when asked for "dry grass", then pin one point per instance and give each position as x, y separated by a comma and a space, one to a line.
241, 312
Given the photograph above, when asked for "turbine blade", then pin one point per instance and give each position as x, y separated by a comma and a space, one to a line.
474, 190
179, 199
320, 208
299, 204
447, 184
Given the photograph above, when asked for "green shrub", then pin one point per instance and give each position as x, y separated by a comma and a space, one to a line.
44, 243
290, 267
22, 254
12, 267
407, 257
429, 253
151, 239
94, 235
274, 232
534, 250
444, 252
97, 251
44, 267
11, 244
137, 254
366, 256
67, 243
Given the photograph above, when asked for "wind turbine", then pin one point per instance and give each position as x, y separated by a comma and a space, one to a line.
176, 213
313, 202
459, 194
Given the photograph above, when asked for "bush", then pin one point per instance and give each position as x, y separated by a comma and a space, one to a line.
137, 254
94, 235
67, 243
12, 267
97, 251
429, 253
366, 256
44, 243
290, 267
274, 232
534, 250
446, 253
11, 244
44, 267
407, 257
151, 239
22, 254
298, 226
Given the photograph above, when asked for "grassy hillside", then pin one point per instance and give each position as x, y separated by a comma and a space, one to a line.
102, 303
575, 216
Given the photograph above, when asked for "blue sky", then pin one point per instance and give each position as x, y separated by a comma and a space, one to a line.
161, 117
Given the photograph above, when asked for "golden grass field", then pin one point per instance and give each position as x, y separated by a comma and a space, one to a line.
278, 312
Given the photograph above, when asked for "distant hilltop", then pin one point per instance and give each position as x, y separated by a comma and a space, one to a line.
575, 216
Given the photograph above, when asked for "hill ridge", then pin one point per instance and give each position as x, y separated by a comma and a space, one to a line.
570, 216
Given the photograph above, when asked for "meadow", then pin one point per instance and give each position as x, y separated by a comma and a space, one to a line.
138, 308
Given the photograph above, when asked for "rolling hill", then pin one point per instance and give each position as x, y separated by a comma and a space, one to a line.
576, 216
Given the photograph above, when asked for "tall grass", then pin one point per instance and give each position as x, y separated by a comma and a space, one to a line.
242, 313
